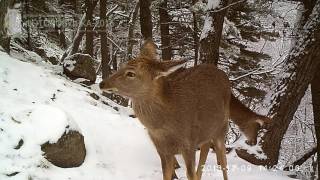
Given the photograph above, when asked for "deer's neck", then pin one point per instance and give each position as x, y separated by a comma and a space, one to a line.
152, 107
150, 112
240, 114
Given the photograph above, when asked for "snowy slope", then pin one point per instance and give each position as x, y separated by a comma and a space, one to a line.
118, 147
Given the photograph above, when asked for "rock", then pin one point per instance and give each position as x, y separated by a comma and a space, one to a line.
80, 66
5, 44
83, 81
53, 60
94, 96
117, 99
42, 53
69, 151
20, 143
132, 116
12, 174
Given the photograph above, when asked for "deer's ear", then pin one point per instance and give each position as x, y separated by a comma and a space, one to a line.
169, 67
149, 50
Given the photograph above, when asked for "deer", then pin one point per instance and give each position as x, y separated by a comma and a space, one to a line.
248, 121
181, 110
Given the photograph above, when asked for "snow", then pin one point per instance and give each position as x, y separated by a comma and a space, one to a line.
69, 64
14, 21
255, 150
37, 105
53, 126
199, 6
32, 129
212, 4
207, 27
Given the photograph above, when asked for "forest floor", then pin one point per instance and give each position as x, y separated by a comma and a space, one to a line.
36, 103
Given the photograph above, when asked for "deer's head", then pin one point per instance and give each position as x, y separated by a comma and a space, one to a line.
142, 75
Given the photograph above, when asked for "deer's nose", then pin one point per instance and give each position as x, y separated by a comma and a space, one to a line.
101, 85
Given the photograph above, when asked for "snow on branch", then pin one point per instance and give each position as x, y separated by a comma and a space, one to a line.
112, 10
226, 7
212, 4
207, 27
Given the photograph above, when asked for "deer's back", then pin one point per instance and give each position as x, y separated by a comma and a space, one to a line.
200, 95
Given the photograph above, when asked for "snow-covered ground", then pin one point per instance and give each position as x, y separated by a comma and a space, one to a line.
36, 105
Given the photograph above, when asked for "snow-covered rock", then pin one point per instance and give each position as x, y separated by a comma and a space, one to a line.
69, 151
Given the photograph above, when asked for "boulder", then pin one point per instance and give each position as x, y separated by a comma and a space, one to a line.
69, 151
5, 44
80, 66
46, 56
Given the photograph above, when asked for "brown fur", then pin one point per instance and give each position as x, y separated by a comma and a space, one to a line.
181, 111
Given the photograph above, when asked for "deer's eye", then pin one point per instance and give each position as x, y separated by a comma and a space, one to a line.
130, 74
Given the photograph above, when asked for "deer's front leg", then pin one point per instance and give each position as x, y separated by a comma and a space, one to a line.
204, 150
167, 163
189, 159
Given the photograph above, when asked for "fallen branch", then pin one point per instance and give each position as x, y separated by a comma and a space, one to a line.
301, 160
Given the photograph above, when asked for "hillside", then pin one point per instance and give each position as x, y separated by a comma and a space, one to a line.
36, 104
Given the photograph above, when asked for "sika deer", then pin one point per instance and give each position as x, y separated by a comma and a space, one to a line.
181, 111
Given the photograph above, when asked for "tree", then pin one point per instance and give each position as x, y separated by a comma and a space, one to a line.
105, 57
296, 76
211, 34
315, 90
164, 30
145, 19
132, 22
195, 35
4, 38
74, 47
89, 27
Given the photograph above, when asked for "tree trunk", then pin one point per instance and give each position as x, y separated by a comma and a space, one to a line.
89, 27
315, 90
4, 38
105, 57
25, 20
78, 37
297, 74
76, 40
132, 22
59, 28
195, 35
210, 38
62, 38
145, 19
164, 30
115, 59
